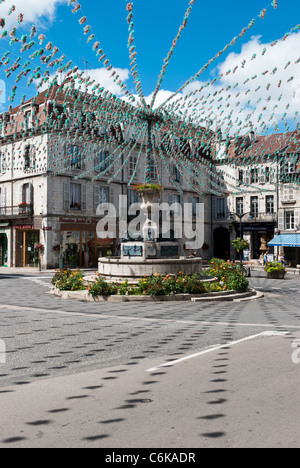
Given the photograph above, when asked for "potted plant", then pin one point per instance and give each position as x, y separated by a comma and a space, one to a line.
40, 249
275, 270
240, 245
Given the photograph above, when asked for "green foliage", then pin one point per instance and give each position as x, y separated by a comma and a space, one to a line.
240, 244
69, 280
275, 267
229, 275
102, 288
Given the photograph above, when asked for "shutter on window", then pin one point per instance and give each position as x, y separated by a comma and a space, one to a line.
83, 197
112, 195
297, 219
96, 197
31, 194
281, 225
3, 201
66, 196
21, 192
214, 208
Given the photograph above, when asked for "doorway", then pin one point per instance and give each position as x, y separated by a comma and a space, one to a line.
26, 255
222, 243
3, 250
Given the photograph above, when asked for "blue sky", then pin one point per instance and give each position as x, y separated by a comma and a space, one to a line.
211, 26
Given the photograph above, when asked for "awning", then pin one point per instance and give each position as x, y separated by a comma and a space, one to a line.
286, 240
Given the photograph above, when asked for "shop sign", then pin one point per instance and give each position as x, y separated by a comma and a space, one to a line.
78, 221
25, 227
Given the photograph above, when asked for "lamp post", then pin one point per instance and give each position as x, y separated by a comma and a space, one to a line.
240, 216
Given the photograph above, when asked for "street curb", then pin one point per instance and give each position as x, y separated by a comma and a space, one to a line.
225, 296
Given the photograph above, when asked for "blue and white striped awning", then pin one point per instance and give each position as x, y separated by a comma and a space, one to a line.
286, 240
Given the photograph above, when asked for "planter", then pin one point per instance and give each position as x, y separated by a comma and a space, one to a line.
276, 275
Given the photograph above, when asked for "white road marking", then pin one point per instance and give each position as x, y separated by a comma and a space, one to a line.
216, 348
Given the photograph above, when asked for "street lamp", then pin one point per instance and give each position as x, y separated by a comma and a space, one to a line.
240, 216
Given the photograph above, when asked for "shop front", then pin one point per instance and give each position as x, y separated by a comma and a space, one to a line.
80, 246
25, 255
259, 235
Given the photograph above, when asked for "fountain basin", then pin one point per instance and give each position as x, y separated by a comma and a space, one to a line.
119, 270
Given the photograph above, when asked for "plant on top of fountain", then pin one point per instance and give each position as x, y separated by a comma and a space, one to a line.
141, 187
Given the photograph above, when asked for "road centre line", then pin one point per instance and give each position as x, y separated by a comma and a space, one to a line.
149, 320
216, 348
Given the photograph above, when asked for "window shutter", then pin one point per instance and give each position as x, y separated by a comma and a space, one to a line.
247, 178
66, 196
83, 197
112, 195
96, 196
297, 219
31, 194
3, 201
21, 193
214, 208
281, 223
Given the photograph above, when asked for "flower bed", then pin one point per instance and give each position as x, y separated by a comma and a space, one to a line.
156, 285
229, 275
275, 270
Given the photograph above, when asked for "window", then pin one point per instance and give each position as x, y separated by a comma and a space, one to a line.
221, 208
29, 157
132, 165
241, 176
73, 157
270, 204
289, 220
2, 163
28, 119
133, 197
267, 175
288, 165
153, 172
254, 176
239, 206
254, 207
75, 197
101, 162
195, 202
174, 173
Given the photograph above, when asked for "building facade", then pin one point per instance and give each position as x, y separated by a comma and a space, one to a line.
51, 186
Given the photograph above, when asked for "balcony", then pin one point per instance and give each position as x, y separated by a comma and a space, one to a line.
16, 212
262, 217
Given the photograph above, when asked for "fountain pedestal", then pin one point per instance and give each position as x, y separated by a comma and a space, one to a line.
148, 256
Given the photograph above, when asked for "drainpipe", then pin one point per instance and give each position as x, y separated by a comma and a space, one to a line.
12, 207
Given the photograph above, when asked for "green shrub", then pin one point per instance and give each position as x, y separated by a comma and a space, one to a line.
69, 280
102, 288
273, 267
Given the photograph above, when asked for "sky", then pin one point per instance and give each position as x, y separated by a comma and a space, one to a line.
211, 26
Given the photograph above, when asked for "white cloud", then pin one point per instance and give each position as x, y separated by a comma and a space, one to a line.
34, 10
99, 76
259, 91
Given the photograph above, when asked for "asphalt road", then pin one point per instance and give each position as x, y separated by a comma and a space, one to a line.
77, 374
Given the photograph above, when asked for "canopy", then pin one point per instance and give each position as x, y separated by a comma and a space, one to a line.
286, 240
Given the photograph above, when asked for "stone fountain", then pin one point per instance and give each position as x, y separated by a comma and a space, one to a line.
148, 254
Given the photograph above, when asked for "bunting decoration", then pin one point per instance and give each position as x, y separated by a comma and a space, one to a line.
91, 133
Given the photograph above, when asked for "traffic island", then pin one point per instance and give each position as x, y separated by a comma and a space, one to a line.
224, 296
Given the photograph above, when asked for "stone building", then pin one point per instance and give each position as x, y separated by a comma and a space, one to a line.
260, 194
52, 181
